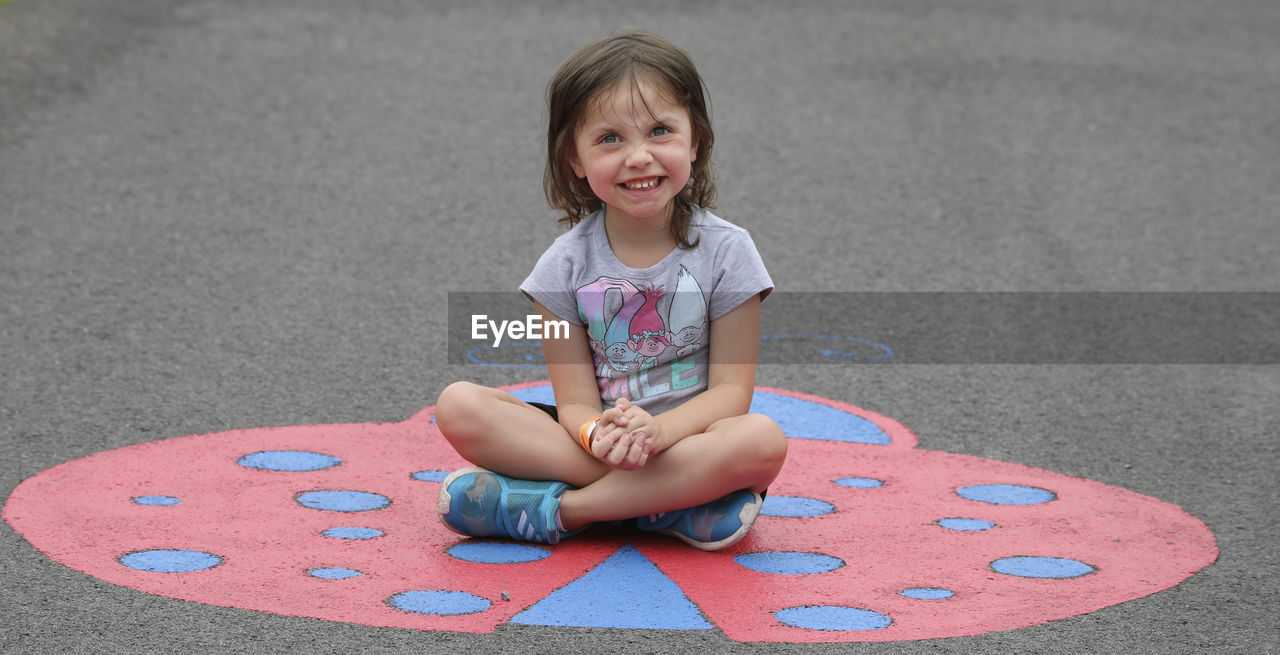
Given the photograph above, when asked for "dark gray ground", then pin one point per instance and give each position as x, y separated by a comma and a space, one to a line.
234, 214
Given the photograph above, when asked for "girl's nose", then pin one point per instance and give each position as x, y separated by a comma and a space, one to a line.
638, 158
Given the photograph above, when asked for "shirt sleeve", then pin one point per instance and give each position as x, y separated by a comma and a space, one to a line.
550, 283
741, 275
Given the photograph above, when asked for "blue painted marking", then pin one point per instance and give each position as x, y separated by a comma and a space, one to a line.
334, 573
437, 602
965, 524
859, 483
1006, 494
805, 419
430, 476
540, 394
787, 563
832, 617
352, 533
1041, 567
478, 355
491, 552
624, 591
163, 501
288, 460
795, 506
170, 561
342, 501
927, 593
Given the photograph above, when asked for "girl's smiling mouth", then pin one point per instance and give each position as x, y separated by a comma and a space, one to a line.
643, 184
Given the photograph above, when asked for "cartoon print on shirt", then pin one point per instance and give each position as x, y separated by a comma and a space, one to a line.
606, 307
633, 328
648, 332
687, 316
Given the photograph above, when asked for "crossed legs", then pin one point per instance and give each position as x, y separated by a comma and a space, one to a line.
495, 430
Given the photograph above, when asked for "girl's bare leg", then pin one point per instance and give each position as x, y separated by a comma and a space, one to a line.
495, 430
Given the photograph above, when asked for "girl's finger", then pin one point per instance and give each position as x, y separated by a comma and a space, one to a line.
639, 450
602, 444
612, 415
618, 454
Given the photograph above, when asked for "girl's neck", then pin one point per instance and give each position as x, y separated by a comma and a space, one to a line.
639, 242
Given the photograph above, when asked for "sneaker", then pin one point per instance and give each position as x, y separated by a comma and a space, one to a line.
480, 503
710, 526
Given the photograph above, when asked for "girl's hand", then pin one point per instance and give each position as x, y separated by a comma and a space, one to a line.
625, 437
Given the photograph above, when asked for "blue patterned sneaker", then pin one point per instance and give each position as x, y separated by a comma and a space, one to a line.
480, 503
710, 526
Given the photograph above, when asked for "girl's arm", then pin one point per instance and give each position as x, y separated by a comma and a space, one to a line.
735, 343
572, 374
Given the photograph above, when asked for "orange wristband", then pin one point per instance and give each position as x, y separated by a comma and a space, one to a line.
584, 433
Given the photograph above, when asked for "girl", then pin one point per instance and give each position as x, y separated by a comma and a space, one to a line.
664, 301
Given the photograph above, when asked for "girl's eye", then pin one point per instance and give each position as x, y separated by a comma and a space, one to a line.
661, 130
610, 138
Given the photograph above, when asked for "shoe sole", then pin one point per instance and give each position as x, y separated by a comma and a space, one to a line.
444, 502
747, 516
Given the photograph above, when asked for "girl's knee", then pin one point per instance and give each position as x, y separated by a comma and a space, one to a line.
766, 438
457, 404
759, 445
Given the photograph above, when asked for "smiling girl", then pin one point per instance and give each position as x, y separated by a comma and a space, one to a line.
654, 381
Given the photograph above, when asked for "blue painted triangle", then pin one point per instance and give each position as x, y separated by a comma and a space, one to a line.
624, 591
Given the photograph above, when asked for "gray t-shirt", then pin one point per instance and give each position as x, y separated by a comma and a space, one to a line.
649, 328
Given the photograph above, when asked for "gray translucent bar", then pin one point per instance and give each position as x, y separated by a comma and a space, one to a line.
954, 328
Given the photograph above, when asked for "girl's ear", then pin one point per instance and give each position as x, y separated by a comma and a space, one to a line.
576, 164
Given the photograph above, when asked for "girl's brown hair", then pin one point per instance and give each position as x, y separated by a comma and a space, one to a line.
594, 71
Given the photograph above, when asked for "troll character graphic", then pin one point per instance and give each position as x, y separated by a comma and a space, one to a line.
687, 315
648, 336
606, 307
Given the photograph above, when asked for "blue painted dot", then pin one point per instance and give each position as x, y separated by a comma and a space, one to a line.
170, 561
788, 563
1006, 494
430, 476
288, 460
1041, 567
334, 573
488, 552
442, 603
832, 617
343, 501
352, 533
795, 506
965, 524
163, 501
927, 593
859, 483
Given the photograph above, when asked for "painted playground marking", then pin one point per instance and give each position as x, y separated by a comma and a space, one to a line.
863, 537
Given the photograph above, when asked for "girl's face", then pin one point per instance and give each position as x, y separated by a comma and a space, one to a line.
636, 150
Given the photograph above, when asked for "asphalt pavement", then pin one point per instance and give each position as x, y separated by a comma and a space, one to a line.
226, 214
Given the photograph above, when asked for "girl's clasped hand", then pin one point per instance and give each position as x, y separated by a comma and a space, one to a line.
626, 436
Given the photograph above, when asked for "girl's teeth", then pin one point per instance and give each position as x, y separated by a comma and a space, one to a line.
639, 186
